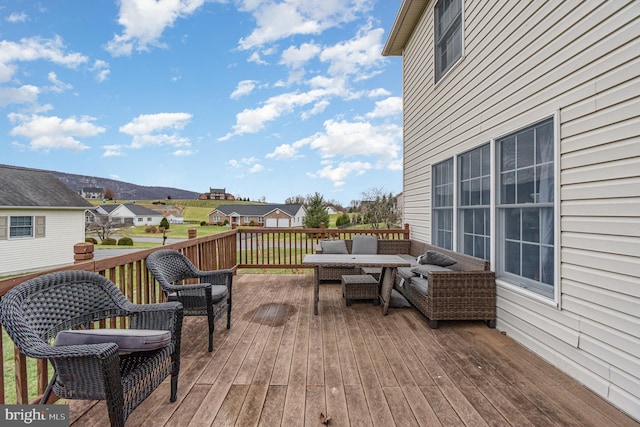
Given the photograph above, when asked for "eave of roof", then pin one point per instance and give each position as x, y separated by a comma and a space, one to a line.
403, 26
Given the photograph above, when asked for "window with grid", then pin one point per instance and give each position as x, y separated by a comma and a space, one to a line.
442, 209
20, 226
525, 208
474, 190
448, 35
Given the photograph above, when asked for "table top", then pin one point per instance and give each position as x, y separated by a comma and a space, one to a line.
349, 260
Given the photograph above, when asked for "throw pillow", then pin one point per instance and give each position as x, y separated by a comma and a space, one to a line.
397, 300
365, 245
436, 258
334, 247
423, 270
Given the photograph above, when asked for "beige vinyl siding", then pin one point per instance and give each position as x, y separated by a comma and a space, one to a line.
64, 228
524, 61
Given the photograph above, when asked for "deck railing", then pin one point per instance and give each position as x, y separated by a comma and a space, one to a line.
24, 380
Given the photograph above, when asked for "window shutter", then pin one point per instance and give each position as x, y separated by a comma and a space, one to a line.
4, 231
40, 226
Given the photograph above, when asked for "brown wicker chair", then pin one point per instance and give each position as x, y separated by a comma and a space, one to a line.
211, 297
35, 311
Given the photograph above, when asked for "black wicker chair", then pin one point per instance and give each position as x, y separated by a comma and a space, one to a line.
211, 297
35, 311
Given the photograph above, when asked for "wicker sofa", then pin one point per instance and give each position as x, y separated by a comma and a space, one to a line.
465, 291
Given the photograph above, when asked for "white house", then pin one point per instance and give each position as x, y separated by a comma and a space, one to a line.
139, 215
41, 219
522, 146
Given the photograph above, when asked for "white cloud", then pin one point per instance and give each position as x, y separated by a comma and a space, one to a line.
112, 151
101, 69
318, 108
278, 20
357, 55
379, 92
17, 17
51, 132
26, 94
234, 164
387, 107
256, 168
339, 173
181, 153
58, 85
245, 87
144, 21
284, 152
346, 139
157, 129
33, 49
295, 57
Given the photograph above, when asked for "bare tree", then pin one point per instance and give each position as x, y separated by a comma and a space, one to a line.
377, 207
103, 226
109, 193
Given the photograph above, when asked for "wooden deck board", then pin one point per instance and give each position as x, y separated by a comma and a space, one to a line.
279, 364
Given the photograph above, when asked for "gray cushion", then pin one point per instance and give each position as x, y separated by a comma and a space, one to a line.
436, 258
397, 300
127, 340
420, 285
423, 270
405, 272
218, 293
364, 245
333, 247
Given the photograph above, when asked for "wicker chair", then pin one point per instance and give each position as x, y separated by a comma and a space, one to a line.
36, 310
211, 297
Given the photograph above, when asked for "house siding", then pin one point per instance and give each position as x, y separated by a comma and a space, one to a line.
524, 61
63, 230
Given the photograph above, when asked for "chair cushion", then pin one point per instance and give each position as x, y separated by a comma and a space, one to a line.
423, 270
419, 285
334, 247
405, 273
127, 340
364, 245
218, 293
436, 258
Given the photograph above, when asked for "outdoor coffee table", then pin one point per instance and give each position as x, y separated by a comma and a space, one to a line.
388, 263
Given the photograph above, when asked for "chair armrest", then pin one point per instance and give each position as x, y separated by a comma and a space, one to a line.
217, 277
458, 283
161, 316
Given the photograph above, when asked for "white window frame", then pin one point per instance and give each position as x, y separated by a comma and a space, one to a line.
440, 75
14, 227
436, 227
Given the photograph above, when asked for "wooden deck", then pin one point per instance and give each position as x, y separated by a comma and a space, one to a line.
281, 365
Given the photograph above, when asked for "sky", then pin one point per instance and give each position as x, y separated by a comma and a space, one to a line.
267, 99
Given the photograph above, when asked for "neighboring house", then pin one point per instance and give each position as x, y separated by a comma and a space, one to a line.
92, 192
522, 146
41, 219
217, 194
139, 215
331, 210
175, 219
271, 215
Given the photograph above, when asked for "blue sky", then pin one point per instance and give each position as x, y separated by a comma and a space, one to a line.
268, 99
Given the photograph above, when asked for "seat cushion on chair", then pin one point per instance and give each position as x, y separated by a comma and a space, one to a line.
364, 245
127, 340
334, 247
218, 293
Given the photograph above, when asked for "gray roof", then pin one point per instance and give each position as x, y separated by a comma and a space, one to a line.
141, 210
258, 210
23, 187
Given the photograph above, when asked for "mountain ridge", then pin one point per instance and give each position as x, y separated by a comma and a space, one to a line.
123, 190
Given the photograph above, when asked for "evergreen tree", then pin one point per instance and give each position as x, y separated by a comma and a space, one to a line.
316, 212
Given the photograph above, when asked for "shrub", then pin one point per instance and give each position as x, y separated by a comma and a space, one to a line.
91, 240
108, 241
125, 241
203, 223
164, 223
151, 229
343, 219
252, 224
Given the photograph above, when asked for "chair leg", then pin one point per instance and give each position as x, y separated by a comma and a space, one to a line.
229, 316
433, 324
211, 331
174, 387
491, 323
47, 392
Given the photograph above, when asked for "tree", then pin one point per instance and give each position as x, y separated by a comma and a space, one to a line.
109, 194
316, 212
343, 219
378, 208
296, 200
103, 226
164, 223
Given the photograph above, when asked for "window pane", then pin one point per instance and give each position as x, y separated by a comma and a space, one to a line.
546, 226
478, 222
475, 192
530, 225
544, 183
512, 224
485, 197
544, 143
531, 261
467, 219
547, 265
465, 193
478, 247
526, 186
525, 149
486, 160
512, 257
508, 154
508, 188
